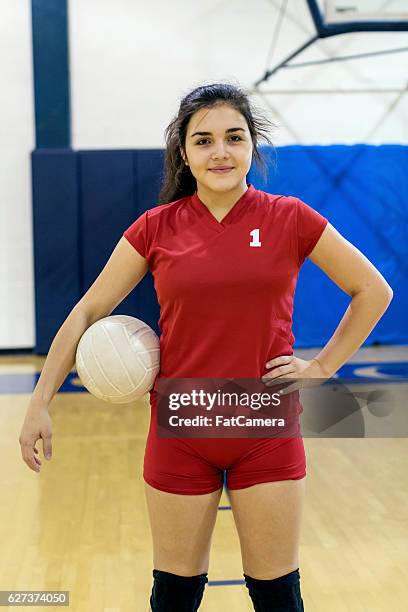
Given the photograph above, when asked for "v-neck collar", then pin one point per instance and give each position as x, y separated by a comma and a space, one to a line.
233, 214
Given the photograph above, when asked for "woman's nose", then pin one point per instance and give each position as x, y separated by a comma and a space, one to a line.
220, 150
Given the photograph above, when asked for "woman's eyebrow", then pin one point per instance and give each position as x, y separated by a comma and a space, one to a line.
234, 129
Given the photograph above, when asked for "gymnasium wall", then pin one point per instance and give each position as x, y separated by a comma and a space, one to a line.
130, 62
16, 143
109, 189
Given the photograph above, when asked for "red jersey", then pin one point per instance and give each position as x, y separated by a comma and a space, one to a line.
225, 288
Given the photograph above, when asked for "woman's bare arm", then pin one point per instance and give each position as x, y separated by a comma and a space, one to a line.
124, 269
346, 266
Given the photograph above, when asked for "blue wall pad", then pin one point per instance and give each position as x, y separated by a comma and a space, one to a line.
51, 73
106, 205
114, 191
362, 190
84, 201
148, 169
55, 239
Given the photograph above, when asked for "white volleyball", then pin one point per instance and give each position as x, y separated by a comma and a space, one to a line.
118, 358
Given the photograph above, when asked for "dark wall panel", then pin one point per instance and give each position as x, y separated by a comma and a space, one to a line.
363, 191
115, 188
148, 169
56, 241
84, 201
106, 203
51, 73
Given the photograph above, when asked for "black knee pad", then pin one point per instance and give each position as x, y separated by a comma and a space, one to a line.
172, 593
278, 595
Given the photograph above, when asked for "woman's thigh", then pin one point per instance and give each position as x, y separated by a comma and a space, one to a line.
181, 527
268, 520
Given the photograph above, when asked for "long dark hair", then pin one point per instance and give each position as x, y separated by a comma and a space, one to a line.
177, 181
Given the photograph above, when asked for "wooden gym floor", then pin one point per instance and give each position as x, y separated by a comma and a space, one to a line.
81, 525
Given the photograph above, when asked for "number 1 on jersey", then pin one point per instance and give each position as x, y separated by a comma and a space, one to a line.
255, 242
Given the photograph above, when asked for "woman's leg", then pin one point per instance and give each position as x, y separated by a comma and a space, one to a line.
268, 519
181, 527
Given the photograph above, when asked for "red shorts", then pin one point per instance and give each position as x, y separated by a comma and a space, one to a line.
194, 466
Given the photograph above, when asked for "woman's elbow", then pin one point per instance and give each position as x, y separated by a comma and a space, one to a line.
378, 291
388, 292
384, 294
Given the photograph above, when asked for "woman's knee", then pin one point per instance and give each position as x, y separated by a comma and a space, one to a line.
174, 593
279, 594
175, 565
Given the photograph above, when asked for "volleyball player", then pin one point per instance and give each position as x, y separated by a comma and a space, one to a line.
225, 259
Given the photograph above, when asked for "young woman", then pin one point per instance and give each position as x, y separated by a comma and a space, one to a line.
225, 259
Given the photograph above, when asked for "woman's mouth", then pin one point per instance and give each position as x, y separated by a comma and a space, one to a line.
221, 170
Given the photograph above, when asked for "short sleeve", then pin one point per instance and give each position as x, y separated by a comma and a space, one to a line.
136, 234
310, 226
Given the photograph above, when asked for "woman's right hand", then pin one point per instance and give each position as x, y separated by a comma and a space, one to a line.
37, 424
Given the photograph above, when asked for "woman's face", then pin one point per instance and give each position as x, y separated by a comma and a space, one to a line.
226, 142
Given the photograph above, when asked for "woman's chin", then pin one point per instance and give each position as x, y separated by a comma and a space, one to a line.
223, 183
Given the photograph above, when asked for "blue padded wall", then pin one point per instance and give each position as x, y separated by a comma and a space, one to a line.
363, 191
107, 204
84, 201
115, 188
148, 169
56, 241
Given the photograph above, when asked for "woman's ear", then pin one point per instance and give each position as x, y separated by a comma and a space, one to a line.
184, 157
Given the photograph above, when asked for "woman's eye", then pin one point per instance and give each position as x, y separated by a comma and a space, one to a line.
206, 139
